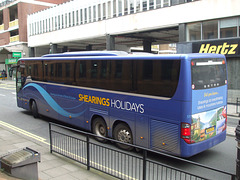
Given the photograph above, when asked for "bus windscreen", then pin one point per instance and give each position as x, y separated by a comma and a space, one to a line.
208, 73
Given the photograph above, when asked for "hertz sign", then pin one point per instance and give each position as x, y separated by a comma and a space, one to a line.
229, 48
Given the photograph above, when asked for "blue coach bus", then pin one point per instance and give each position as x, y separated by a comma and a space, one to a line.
171, 103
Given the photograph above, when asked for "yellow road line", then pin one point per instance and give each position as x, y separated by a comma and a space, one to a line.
26, 133
43, 140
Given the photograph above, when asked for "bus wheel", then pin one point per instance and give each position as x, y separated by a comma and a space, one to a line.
34, 109
123, 133
100, 129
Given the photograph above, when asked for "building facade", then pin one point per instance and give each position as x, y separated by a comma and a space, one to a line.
13, 28
220, 36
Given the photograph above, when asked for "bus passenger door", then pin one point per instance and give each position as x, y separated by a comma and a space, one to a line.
142, 131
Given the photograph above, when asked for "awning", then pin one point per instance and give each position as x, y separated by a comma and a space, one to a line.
4, 50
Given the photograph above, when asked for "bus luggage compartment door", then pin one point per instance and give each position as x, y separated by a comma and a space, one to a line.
164, 136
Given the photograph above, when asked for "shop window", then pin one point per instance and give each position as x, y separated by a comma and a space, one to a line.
228, 28
104, 10
137, 5
119, 7
158, 4
194, 31
210, 29
94, 14
99, 12
77, 17
90, 14
114, 8
70, 19
62, 21
144, 4
166, 3
81, 16
151, 4
109, 14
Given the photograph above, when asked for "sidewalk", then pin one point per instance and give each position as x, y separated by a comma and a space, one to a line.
53, 166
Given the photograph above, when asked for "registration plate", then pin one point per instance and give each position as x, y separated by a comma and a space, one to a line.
209, 130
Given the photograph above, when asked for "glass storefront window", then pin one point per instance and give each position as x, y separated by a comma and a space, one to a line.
210, 29
228, 28
194, 31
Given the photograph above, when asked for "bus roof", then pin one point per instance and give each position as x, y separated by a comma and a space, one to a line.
88, 53
98, 55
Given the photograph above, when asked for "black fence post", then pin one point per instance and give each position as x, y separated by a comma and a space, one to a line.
144, 164
50, 136
238, 151
88, 153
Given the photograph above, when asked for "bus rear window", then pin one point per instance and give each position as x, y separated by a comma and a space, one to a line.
208, 73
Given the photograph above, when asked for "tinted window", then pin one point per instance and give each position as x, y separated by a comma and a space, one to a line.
148, 77
33, 70
208, 73
157, 77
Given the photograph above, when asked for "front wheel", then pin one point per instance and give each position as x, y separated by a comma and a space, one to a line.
100, 128
123, 133
34, 109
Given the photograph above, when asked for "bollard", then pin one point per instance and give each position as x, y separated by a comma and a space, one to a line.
238, 151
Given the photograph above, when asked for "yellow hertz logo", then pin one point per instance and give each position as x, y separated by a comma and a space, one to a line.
219, 49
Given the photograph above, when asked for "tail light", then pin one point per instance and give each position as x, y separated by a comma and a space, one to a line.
186, 132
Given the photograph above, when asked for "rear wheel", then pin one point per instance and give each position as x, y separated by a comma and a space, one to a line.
100, 129
34, 109
123, 133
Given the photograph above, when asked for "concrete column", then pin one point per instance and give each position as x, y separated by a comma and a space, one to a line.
110, 42
31, 51
183, 46
182, 33
65, 49
89, 47
53, 48
147, 46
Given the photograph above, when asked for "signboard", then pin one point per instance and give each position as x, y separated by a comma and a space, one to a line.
17, 54
11, 61
230, 48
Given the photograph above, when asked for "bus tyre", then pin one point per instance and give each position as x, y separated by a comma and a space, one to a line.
100, 129
123, 133
34, 109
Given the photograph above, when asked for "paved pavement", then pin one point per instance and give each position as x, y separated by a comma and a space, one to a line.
53, 166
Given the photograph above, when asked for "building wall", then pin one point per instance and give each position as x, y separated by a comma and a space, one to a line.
6, 18
233, 65
4, 38
23, 10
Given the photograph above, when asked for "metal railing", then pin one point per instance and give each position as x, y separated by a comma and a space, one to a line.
81, 147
